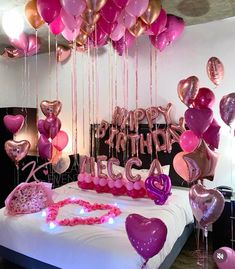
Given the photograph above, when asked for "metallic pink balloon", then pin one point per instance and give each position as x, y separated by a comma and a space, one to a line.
188, 141
158, 26
224, 258
118, 32
48, 10
227, 109
17, 150
215, 70
73, 7
56, 26
52, 125
110, 12
212, 135
20, 43
121, 3
34, 45
159, 188
159, 41
204, 98
198, 120
106, 26
62, 53
124, 43
44, 147
207, 204
174, 27
132, 161
41, 128
137, 8
147, 236
111, 174
13, 122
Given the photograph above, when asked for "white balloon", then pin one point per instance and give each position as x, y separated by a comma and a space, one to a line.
62, 164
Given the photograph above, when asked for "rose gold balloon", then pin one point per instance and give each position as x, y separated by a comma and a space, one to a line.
81, 38
134, 143
156, 141
87, 28
90, 17
188, 89
139, 115
85, 162
166, 113
95, 5
101, 166
121, 141
138, 28
17, 150
62, 53
146, 143
155, 165
32, 15
151, 114
111, 174
51, 108
132, 161
215, 70
102, 128
207, 204
11, 53
113, 133
152, 12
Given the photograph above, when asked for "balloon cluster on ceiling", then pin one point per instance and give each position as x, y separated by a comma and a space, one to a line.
93, 23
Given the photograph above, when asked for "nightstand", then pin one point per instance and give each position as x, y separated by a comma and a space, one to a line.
224, 228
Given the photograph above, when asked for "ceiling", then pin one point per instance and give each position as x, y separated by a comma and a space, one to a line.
192, 11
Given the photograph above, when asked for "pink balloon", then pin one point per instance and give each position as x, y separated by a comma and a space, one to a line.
121, 3
56, 26
73, 7
207, 204
69, 35
126, 19
16, 150
20, 42
188, 141
107, 27
13, 122
48, 10
159, 41
205, 98
124, 43
110, 11
180, 166
159, 24
118, 32
227, 109
52, 125
212, 135
33, 45
132, 161
44, 147
71, 22
41, 128
98, 37
60, 141
136, 7
224, 258
174, 27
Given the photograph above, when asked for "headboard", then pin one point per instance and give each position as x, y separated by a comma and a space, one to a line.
99, 147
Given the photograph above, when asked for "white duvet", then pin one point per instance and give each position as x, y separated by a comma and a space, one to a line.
103, 246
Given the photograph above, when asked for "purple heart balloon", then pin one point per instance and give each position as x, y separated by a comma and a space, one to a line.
207, 204
159, 188
198, 120
44, 147
212, 135
146, 235
41, 128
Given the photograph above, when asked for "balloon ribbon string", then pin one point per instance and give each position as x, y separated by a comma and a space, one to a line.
144, 264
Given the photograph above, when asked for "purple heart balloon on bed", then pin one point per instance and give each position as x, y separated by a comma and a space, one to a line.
147, 236
159, 188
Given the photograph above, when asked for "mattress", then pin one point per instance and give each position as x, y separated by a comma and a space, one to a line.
98, 246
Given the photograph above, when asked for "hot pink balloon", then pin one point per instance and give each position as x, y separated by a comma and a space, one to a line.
121, 3
107, 27
212, 135
41, 129
174, 27
188, 141
56, 26
52, 125
71, 22
60, 141
110, 11
73, 7
34, 45
48, 10
118, 32
21, 42
125, 42
13, 122
159, 41
205, 98
136, 7
126, 19
158, 26
98, 37
224, 258
44, 147
147, 236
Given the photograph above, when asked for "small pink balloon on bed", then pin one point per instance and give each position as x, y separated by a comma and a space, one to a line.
159, 188
60, 141
13, 123
147, 236
224, 258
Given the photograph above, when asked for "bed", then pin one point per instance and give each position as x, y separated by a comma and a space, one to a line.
30, 242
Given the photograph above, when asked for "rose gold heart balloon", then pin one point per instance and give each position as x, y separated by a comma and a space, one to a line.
138, 28
188, 89
215, 70
17, 150
51, 108
95, 5
62, 53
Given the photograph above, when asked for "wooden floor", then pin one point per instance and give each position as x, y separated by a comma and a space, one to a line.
186, 260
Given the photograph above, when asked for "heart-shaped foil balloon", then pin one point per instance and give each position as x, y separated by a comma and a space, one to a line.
17, 150
188, 89
147, 236
51, 108
159, 188
28, 198
62, 53
13, 122
207, 204
215, 70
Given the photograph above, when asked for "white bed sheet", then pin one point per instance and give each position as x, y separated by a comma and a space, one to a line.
103, 246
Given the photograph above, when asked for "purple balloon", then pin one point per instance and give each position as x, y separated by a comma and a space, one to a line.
159, 188
207, 204
110, 11
227, 109
147, 236
159, 41
98, 37
44, 147
52, 125
41, 128
125, 42
48, 10
212, 135
198, 120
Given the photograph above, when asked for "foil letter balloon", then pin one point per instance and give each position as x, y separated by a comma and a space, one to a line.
227, 109
215, 70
